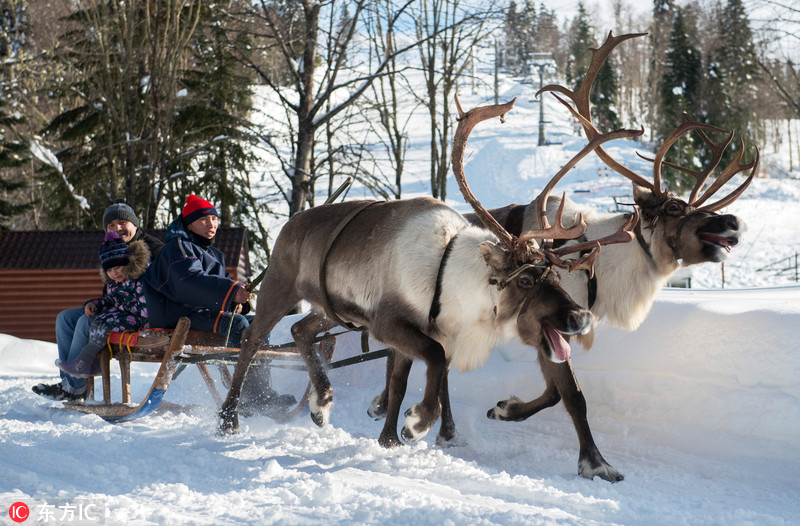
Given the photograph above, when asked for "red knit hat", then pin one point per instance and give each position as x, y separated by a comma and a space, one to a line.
195, 209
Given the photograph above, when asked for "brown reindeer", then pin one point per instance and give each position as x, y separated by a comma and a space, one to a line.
672, 232
424, 282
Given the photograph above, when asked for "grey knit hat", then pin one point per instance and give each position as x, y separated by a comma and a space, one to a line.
119, 210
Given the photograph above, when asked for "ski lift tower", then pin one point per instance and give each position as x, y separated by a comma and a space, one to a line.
542, 62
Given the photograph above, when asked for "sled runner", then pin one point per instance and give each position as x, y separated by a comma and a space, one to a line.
177, 348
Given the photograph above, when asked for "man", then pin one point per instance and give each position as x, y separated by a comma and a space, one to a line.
188, 278
72, 325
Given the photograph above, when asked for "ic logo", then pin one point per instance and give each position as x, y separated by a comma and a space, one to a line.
19, 512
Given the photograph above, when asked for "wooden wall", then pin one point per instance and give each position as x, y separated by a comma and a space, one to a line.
30, 299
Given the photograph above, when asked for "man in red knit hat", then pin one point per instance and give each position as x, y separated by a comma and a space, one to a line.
188, 278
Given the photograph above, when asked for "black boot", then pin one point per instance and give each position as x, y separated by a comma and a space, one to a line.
57, 392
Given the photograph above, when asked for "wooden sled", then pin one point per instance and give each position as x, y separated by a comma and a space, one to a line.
176, 349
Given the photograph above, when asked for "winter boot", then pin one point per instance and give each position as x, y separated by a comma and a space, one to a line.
84, 365
57, 392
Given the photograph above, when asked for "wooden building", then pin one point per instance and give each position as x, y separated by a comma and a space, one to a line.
45, 272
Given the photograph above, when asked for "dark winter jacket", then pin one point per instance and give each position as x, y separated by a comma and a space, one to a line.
123, 307
153, 243
188, 278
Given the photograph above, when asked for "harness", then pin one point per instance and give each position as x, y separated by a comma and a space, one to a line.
323, 280
436, 304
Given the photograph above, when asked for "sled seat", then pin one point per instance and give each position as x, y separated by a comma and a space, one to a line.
201, 348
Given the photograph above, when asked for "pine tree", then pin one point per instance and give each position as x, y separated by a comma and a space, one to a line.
212, 119
679, 90
733, 75
514, 53
13, 152
547, 37
160, 113
12, 155
604, 97
659, 38
581, 39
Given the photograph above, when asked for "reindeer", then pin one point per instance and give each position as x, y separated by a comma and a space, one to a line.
627, 277
425, 283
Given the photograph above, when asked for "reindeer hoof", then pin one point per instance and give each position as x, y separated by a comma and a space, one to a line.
389, 441
505, 410
320, 408
377, 410
417, 425
594, 465
228, 423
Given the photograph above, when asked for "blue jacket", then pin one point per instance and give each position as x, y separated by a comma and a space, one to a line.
188, 279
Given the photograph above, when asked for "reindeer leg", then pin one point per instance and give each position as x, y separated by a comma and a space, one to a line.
267, 315
448, 436
515, 410
405, 337
377, 408
395, 391
321, 398
590, 462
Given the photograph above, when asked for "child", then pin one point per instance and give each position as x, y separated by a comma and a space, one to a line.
122, 307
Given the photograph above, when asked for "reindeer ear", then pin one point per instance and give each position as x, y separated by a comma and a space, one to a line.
495, 255
645, 198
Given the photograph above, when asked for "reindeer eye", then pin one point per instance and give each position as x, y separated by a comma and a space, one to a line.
674, 208
525, 282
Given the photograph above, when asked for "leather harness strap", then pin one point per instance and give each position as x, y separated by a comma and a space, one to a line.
436, 304
325, 299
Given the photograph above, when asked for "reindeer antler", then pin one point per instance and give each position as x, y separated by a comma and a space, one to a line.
701, 176
518, 246
582, 112
466, 122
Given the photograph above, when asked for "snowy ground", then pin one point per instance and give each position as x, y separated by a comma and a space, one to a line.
699, 408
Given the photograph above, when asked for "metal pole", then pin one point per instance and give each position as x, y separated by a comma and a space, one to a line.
496, 73
542, 137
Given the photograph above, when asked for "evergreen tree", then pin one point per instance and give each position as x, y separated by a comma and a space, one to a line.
733, 76
13, 150
548, 37
160, 113
659, 38
212, 119
12, 155
580, 40
513, 55
604, 97
679, 90
519, 27
606, 86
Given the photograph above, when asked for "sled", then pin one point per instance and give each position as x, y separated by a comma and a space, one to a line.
178, 348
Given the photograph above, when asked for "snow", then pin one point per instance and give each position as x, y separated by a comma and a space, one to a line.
699, 407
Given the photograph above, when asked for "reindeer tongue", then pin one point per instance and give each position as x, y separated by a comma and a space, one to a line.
557, 343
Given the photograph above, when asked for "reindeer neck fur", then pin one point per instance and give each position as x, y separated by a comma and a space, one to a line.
628, 277
468, 326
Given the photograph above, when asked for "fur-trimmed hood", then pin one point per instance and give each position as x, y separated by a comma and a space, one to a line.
139, 258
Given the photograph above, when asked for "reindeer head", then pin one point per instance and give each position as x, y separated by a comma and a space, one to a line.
673, 229
521, 267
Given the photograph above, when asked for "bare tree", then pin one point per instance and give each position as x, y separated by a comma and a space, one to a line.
387, 92
322, 76
777, 23
449, 31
